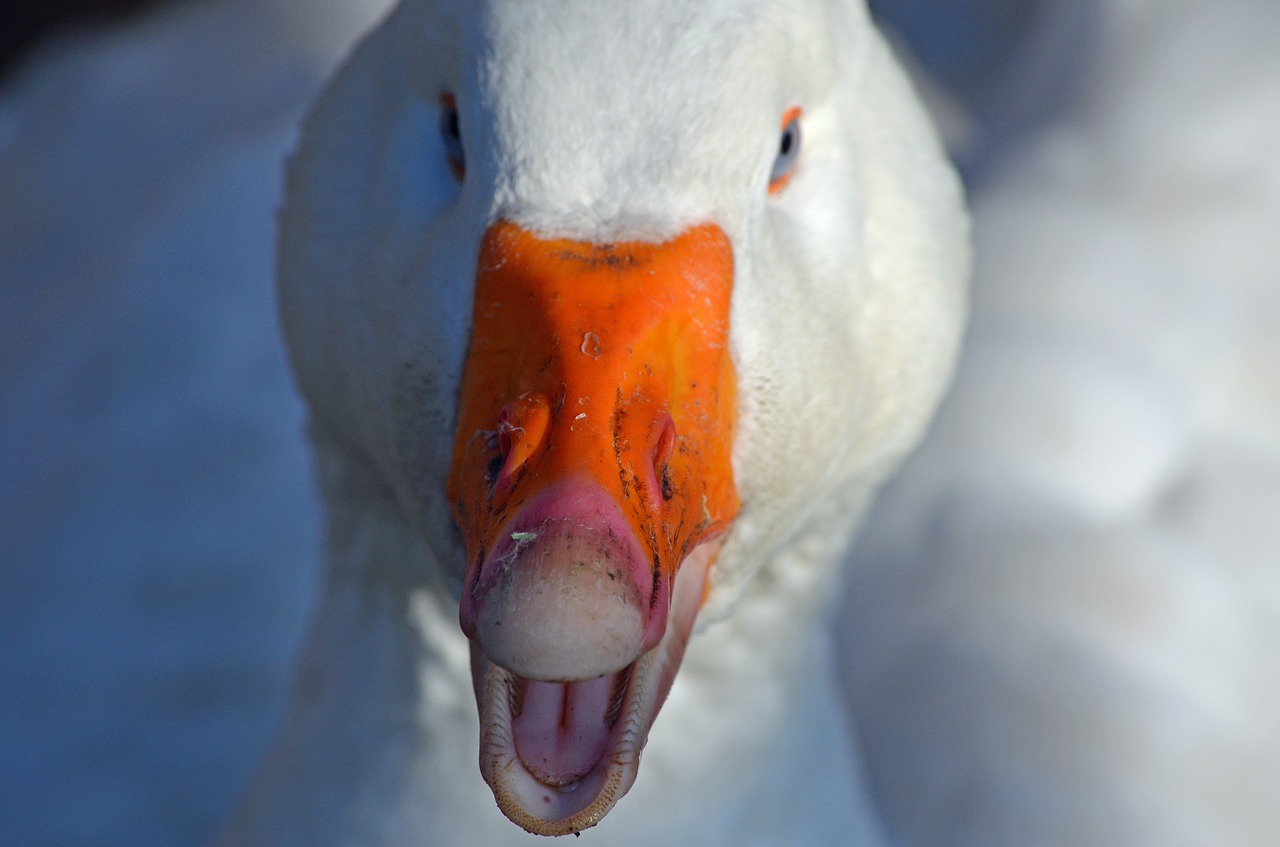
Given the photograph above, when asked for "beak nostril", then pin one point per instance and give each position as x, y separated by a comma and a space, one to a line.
522, 427
663, 446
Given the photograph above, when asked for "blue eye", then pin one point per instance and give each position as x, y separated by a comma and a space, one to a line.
788, 151
451, 133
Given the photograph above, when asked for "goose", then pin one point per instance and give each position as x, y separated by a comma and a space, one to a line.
610, 319
139, 616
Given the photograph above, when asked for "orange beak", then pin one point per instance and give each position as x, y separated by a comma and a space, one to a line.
592, 457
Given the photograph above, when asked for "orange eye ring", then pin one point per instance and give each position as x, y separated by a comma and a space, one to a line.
788, 151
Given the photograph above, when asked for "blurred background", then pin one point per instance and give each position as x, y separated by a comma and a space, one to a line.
1064, 620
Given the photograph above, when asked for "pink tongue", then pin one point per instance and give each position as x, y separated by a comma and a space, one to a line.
561, 732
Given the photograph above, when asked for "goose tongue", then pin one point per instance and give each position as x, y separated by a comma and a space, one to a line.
563, 728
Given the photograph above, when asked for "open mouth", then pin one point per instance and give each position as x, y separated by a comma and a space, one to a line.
558, 755
592, 471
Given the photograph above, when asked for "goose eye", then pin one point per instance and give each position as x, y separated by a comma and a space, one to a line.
788, 151
451, 132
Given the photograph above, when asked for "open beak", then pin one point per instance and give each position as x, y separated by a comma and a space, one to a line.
591, 479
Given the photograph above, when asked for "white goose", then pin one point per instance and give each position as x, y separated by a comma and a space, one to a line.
720, 287
994, 675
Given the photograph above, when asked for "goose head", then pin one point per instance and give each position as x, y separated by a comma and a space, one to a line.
607, 299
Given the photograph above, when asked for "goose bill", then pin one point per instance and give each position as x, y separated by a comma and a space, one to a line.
591, 479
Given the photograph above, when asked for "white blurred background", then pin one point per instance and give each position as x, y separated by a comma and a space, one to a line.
1064, 622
